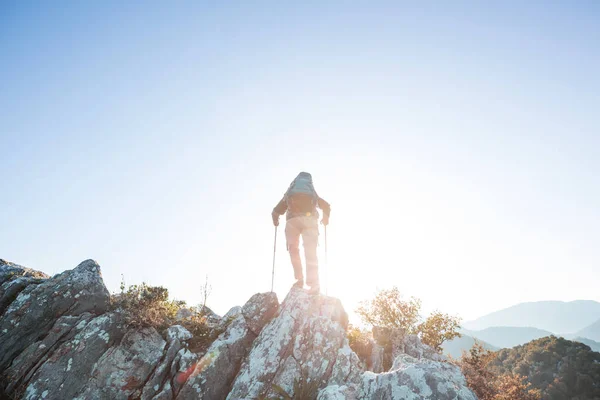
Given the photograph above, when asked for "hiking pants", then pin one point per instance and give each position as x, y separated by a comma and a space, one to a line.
308, 227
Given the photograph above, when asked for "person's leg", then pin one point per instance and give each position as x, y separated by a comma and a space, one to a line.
292, 236
310, 239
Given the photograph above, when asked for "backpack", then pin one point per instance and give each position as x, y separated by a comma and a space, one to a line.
301, 196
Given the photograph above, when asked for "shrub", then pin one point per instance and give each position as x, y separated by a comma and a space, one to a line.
202, 332
389, 310
438, 328
488, 386
305, 388
143, 305
360, 342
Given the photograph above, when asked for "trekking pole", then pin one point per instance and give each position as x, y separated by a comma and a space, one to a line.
326, 263
274, 248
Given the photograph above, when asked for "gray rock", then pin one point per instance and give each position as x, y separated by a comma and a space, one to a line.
412, 346
13, 279
228, 317
53, 345
347, 368
259, 310
337, 392
178, 333
67, 370
183, 314
9, 271
176, 337
303, 340
414, 379
123, 370
183, 366
23, 367
214, 372
37, 307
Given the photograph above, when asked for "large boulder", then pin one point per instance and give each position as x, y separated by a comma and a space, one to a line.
123, 370
37, 307
414, 379
9, 271
24, 366
177, 336
214, 372
69, 368
301, 344
13, 279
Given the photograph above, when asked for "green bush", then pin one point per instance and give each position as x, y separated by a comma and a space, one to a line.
143, 305
389, 310
360, 342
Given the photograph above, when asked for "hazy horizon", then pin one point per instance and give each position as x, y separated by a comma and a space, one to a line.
457, 144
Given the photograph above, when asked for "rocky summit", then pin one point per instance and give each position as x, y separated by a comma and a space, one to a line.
60, 339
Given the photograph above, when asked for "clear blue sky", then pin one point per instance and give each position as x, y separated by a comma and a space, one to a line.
458, 144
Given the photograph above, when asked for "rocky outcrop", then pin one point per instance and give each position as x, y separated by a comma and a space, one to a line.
13, 279
37, 307
68, 368
160, 379
413, 379
303, 341
58, 339
213, 374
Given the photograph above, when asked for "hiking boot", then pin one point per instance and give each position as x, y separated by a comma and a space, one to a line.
299, 284
314, 290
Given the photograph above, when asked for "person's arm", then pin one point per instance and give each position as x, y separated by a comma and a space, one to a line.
326, 207
279, 209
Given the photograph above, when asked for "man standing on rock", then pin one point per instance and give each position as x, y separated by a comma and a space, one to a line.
301, 202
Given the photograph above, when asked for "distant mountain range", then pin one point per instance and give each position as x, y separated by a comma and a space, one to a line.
456, 346
508, 336
553, 316
576, 320
560, 368
591, 332
595, 346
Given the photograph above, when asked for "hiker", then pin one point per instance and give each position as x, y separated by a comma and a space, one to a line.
301, 202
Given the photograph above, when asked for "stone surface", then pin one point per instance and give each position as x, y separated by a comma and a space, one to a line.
303, 340
37, 307
177, 335
228, 317
414, 379
22, 368
67, 371
9, 270
57, 341
336, 392
13, 279
411, 345
122, 371
259, 310
213, 374
183, 314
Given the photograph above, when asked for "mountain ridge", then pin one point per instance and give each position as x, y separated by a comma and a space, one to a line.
66, 337
558, 317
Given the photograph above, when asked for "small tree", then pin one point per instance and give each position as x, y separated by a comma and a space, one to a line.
359, 341
144, 305
438, 328
486, 385
205, 291
513, 387
389, 310
474, 367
